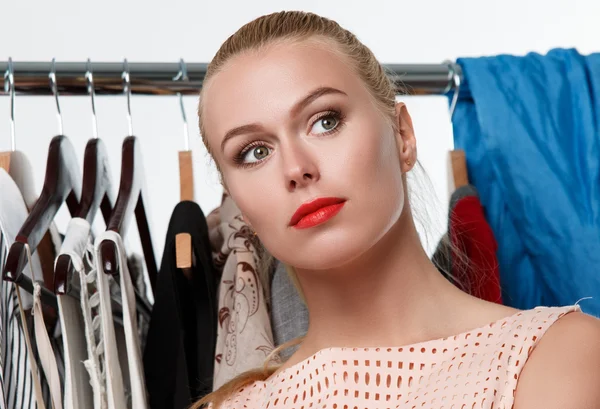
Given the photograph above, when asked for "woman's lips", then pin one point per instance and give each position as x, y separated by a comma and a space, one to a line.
316, 212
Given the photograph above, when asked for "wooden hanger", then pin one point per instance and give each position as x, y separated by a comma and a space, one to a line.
14, 162
62, 183
5, 161
97, 191
458, 169
130, 202
96, 194
186, 176
19, 169
457, 162
183, 241
9, 86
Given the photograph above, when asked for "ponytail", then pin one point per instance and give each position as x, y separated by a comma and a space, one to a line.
216, 398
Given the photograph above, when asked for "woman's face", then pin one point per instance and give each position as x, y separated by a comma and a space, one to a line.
291, 124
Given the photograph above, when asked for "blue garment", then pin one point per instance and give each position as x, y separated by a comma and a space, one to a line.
530, 127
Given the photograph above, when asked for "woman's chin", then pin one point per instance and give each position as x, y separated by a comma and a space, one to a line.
327, 256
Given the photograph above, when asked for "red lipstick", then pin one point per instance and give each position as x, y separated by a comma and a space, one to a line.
316, 212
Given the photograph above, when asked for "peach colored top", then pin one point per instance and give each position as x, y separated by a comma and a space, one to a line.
475, 369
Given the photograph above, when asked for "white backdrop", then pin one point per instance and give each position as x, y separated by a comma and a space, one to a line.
397, 32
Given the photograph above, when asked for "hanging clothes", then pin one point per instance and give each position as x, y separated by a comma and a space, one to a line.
17, 381
84, 345
125, 378
471, 233
21, 172
78, 390
136, 266
530, 128
180, 347
289, 315
244, 335
46, 351
89, 298
475, 269
40, 396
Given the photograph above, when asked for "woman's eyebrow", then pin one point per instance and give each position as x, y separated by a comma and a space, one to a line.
296, 109
312, 96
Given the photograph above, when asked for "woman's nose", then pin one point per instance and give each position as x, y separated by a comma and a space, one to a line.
300, 168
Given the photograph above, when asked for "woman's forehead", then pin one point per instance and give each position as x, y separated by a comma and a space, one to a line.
269, 82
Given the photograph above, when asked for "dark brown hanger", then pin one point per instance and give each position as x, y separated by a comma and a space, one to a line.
130, 201
97, 184
96, 194
61, 184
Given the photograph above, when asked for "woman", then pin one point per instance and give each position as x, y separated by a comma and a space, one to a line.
302, 123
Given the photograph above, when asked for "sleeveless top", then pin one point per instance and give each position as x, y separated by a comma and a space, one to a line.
475, 369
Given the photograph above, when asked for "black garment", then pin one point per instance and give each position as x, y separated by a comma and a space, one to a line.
180, 347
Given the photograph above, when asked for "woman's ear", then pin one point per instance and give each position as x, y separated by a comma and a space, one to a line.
407, 143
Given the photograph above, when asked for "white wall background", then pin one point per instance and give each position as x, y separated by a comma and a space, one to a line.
154, 31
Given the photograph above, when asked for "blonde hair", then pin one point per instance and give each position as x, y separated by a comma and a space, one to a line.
295, 26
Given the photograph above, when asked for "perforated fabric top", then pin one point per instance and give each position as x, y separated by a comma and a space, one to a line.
475, 369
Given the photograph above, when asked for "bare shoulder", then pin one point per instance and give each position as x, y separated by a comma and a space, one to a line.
563, 371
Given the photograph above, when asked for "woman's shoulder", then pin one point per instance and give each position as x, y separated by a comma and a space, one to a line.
564, 368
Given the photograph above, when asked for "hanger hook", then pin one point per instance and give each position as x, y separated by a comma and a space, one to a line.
89, 77
9, 85
182, 75
127, 90
54, 87
455, 84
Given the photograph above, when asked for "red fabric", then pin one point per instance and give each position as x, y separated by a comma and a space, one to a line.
470, 232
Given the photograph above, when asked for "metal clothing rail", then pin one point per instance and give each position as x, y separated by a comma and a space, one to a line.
163, 78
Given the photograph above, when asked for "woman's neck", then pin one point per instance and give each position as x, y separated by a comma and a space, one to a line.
391, 295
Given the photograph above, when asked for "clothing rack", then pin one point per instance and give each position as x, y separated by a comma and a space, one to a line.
163, 78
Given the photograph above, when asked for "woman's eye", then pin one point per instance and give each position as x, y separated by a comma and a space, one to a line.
256, 154
325, 124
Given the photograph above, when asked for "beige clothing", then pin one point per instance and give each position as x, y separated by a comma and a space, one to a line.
244, 336
475, 369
